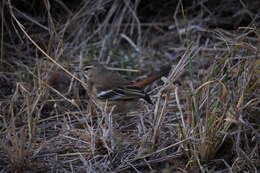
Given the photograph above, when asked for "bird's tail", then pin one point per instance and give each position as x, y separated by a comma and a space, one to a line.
153, 77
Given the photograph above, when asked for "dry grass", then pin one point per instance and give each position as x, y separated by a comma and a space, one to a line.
206, 112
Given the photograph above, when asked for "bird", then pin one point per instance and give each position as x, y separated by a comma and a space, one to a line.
109, 90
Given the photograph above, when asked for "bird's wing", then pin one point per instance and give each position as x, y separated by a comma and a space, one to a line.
123, 93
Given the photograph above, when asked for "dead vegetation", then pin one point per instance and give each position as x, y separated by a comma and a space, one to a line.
206, 112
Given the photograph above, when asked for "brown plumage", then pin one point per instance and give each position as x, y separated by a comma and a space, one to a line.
108, 89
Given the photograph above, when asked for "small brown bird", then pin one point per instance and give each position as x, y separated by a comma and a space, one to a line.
108, 89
